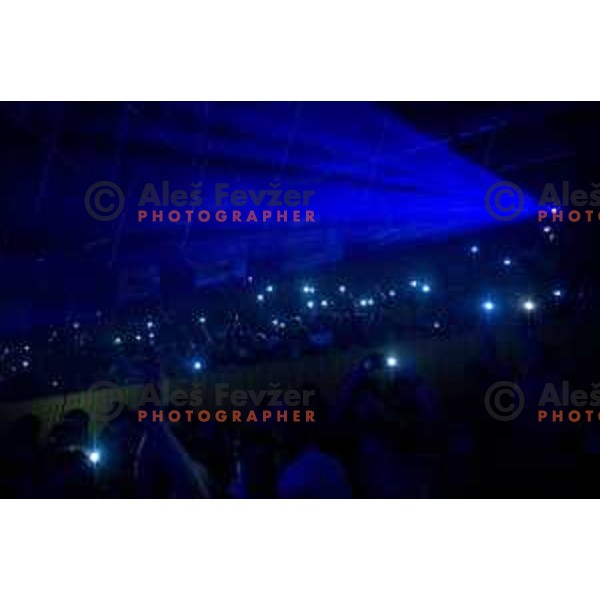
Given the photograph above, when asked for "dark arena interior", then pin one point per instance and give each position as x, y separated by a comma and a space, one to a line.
299, 300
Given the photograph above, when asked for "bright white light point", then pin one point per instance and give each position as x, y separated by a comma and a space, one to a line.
260, 298
118, 340
528, 305
76, 325
323, 302
391, 361
363, 302
554, 211
413, 283
370, 302
149, 324
282, 325
557, 293
310, 304
25, 364
306, 289
94, 457
54, 383
151, 335
202, 319
547, 229
507, 262
488, 305
275, 322
426, 288
269, 288
27, 348
342, 289
392, 293
474, 249
436, 325
197, 365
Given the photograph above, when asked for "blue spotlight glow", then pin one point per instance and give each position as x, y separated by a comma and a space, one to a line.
474, 249
324, 303
547, 229
118, 341
149, 324
260, 298
310, 304
507, 262
391, 362
413, 283
94, 457
392, 293
528, 305
488, 306
557, 293
426, 289
269, 289
198, 365
363, 302
342, 289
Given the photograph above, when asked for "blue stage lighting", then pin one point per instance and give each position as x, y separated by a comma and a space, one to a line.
94, 457
528, 305
391, 362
